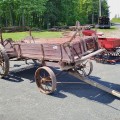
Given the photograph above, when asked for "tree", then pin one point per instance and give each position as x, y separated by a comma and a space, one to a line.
48, 13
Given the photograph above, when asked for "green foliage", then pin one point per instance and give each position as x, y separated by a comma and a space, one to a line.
21, 12
49, 13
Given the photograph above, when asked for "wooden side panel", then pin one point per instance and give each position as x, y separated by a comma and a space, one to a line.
66, 53
52, 52
30, 50
77, 49
10, 49
90, 44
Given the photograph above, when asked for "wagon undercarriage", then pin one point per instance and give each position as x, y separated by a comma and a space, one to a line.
70, 54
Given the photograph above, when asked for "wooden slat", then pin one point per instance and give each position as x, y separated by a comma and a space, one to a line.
31, 50
32, 56
52, 51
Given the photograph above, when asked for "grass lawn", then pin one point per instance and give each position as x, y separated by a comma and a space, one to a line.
113, 28
115, 20
16, 36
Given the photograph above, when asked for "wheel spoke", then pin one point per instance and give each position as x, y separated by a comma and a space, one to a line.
85, 68
47, 87
50, 83
44, 74
47, 80
84, 73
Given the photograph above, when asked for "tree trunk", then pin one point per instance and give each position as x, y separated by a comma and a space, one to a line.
11, 17
6, 23
23, 19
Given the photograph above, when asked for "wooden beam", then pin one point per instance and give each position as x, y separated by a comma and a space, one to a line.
95, 84
78, 61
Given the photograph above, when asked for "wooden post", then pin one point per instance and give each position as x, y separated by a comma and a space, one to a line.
30, 31
1, 37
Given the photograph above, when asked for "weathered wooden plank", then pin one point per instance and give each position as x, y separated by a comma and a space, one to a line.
31, 56
95, 84
52, 51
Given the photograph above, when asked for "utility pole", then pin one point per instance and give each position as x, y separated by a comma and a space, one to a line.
99, 8
92, 12
93, 18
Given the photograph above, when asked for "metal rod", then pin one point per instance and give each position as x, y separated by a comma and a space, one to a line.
91, 54
71, 83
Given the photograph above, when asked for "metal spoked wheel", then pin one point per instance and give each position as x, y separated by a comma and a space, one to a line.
4, 62
45, 80
85, 68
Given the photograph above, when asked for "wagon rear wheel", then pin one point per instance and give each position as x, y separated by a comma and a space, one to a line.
4, 62
85, 68
45, 80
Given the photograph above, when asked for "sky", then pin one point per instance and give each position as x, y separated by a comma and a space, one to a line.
114, 8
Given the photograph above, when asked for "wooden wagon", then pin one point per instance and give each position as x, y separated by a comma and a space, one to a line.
70, 54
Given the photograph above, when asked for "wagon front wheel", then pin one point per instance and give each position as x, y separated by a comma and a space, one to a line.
45, 80
85, 68
4, 62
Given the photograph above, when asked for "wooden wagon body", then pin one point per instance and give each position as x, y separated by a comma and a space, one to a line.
66, 50
68, 53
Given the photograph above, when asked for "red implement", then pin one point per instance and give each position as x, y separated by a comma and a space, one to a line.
91, 32
109, 43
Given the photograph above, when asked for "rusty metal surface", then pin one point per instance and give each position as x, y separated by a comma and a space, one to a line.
4, 62
45, 80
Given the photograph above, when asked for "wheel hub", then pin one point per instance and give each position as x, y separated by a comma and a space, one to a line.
45, 79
